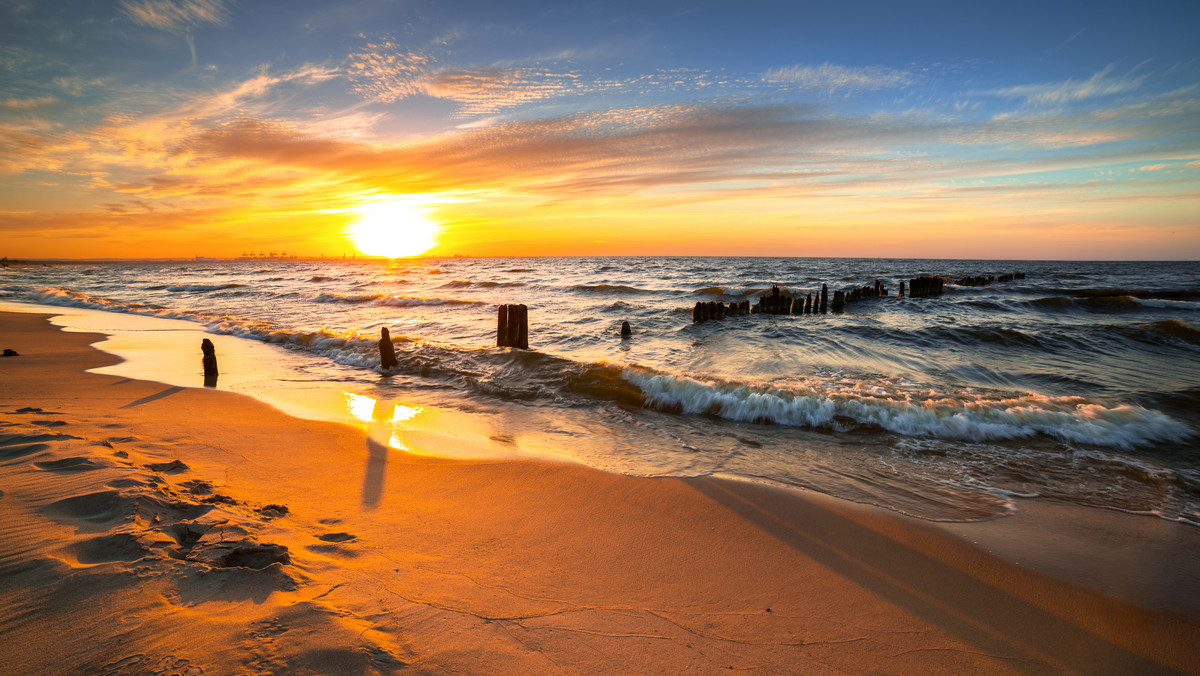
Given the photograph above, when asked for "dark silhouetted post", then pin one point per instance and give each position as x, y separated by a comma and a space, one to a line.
824, 298
502, 327
387, 351
209, 360
523, 326
625, 330
514, 326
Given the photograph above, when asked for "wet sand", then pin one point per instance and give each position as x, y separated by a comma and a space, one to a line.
282, 545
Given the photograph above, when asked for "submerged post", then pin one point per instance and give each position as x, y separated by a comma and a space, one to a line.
626, 331
387, 351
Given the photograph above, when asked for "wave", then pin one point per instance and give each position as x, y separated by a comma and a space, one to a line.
964, 415
466, 284
326, 297
608, 288
390, 301
406, 301
319, 278
738, 292
1169, 329
967, 335
1159, 294
1086, 303
194, 288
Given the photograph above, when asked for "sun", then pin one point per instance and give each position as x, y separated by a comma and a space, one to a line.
394, 228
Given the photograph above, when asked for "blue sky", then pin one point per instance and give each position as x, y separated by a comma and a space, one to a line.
1025, 130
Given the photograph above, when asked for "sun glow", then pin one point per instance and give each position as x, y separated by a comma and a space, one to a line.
393, 227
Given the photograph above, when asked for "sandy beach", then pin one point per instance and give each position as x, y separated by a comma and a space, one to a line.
149, 528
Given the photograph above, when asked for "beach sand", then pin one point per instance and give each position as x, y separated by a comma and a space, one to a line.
115, 558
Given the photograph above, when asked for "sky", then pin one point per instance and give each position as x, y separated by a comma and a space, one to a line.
1016, 130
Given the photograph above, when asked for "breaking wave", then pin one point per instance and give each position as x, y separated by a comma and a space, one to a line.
965, 415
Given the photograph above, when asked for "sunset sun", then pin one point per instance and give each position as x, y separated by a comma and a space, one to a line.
393, 228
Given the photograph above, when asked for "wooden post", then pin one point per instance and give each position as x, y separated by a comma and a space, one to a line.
523, 326
502, 326
387, 351
824, 298
696, 315
626, 331
209, 361
514, 326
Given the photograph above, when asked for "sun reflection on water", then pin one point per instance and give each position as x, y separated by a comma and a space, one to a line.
378, 416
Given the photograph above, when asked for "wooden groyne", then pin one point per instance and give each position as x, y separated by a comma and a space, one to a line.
983, 280
819, 302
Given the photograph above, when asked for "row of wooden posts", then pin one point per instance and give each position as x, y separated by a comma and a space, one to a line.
512, 321
777, 303
984, 280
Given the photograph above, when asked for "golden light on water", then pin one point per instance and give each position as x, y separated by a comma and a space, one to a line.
394, 227
380, 416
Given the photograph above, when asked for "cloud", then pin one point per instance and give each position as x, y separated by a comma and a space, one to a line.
1098, 85
831, 77
484, 92
28, 104
176, 16
385, 72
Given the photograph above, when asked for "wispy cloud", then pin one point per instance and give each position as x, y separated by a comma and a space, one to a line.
176, 16
385, 72
1098, 85
831, 77
28, 104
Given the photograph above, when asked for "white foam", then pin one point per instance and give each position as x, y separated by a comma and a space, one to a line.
962, 415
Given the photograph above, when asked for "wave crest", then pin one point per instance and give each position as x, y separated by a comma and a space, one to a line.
965, 415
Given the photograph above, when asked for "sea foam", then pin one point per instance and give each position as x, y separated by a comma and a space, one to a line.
963, 415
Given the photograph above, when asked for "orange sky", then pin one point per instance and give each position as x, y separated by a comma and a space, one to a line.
108, 153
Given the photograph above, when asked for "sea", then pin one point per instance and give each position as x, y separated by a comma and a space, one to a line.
1078, 382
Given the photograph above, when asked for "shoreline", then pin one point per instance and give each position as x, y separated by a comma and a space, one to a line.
402, 562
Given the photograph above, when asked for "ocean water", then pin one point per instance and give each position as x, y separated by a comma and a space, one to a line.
1078, 383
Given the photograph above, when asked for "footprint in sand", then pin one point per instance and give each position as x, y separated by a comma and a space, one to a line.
104, 509
335, 546
173, 467
19, 445
77, 464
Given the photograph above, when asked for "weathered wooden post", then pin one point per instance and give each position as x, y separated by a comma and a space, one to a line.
209, 361
696, 315
626, 331
502, 327
824, 298
387, 351
514, 325
523, 326
901, 288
